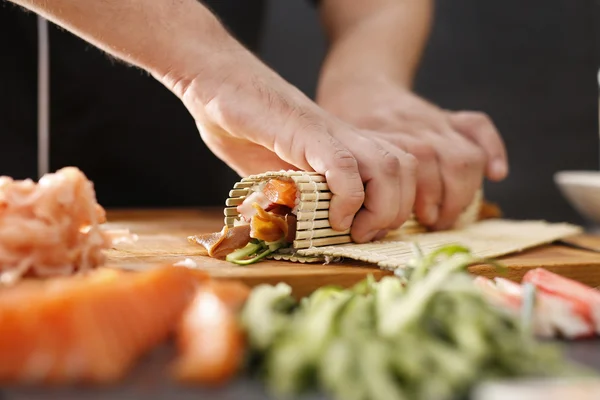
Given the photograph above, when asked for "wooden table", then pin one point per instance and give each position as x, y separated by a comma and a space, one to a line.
163, 239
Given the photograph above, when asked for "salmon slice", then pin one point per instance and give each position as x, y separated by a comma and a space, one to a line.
282, 192
219, 244
89, 329
210, 341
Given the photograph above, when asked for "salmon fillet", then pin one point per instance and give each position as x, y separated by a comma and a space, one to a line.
280, 191
90, 328
210, 340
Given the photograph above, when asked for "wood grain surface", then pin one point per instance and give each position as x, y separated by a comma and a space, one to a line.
163, 239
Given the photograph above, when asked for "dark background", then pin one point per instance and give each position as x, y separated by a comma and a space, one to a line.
532, 66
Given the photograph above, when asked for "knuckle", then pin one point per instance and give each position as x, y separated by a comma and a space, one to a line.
390, 164
307, 127
306, 119
344, 160
356, 196
308, 132
423, 151
410, 164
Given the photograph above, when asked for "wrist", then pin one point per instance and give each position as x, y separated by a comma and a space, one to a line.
346, 70
192, 49
383, 46
341, 94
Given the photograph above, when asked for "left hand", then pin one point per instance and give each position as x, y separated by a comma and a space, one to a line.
455, 150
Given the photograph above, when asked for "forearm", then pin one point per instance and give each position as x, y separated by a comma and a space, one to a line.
378, 40
160, 36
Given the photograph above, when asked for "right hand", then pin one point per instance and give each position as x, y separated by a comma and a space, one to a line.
255, 121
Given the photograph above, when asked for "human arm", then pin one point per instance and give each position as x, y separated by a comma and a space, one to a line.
366, 80
247, 115
377, 40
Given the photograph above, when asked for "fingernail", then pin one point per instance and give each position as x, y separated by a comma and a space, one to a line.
347, 222
499, 169
431, 214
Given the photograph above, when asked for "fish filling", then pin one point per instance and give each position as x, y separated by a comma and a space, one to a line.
266, 223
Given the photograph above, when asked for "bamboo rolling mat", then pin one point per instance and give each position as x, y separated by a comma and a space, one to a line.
486, 239
163, 239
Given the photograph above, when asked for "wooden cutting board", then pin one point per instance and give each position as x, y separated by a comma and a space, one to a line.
162, 238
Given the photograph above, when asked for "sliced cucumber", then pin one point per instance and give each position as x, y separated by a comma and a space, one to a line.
256, 251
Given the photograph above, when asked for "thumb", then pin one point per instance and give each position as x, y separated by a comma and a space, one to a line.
244, 157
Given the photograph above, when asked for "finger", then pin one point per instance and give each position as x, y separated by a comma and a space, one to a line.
381, 171
257, 159
408, 179
429, 189
307, 143
381, 234
480, 129
462, 167
327, 156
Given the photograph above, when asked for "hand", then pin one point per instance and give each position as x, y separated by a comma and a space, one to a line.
247, 115
255, 121
454, 149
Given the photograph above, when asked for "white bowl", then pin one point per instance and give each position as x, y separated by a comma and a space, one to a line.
582, 191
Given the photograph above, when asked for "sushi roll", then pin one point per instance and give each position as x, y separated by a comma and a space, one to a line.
270, 212
276, 213
302, 198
